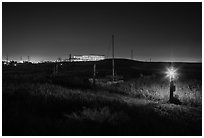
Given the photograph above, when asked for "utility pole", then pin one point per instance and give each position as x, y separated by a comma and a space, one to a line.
7, 58
132, 54
113, 55
70, 57
28, 58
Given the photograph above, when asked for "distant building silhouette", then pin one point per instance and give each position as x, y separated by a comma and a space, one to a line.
87, 57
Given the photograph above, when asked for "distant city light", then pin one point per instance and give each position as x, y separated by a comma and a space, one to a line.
75, 58
88, 57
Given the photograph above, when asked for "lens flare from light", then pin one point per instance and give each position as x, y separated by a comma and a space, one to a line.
171, 73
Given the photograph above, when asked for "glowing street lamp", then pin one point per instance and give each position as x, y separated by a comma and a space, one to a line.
171, 73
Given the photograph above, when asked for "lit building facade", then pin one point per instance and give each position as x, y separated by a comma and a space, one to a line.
88, 57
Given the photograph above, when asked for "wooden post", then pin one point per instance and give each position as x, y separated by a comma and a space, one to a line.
94, 75
56, 69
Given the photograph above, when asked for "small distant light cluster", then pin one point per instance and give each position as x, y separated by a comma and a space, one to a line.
15, 62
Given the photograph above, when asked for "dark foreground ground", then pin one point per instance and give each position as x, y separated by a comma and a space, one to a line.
34, 102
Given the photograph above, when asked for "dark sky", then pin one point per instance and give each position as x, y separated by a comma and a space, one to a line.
46, 31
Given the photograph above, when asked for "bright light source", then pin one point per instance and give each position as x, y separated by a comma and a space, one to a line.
171, 73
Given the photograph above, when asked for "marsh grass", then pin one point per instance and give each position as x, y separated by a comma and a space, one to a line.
33, 103
47, 109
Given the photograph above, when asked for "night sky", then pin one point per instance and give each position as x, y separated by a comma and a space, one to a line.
46, 31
